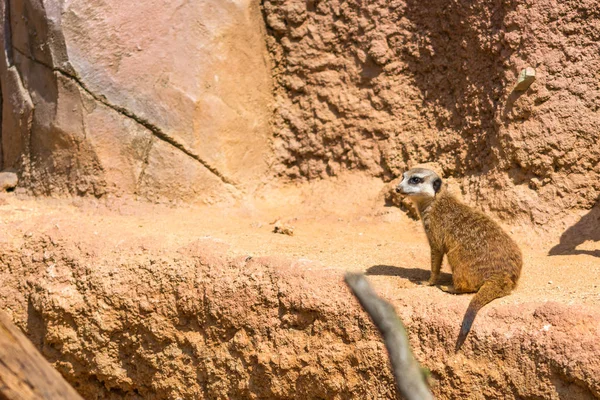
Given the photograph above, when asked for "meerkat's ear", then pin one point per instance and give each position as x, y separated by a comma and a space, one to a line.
437, 185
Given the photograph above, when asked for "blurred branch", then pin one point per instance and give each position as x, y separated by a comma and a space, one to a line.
24, 372
407, 371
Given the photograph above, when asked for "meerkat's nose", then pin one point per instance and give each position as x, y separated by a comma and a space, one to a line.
397, 190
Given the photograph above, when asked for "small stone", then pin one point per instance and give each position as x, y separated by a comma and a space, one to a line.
526, 78
8, 181
283, 229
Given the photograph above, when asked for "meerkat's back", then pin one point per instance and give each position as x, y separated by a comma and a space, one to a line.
476, 247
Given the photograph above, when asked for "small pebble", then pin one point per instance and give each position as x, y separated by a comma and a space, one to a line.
283, 229
526, 78
8, 181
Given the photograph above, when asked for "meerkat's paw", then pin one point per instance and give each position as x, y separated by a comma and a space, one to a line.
448, 289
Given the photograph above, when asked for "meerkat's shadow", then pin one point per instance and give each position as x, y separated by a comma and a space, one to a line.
586, 229
416, 275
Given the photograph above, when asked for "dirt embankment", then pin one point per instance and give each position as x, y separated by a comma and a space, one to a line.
381, 85
188, 322
142, 302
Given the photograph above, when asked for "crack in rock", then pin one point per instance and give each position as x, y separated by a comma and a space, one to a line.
156, 131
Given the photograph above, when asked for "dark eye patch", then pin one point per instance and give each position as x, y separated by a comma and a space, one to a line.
415, 180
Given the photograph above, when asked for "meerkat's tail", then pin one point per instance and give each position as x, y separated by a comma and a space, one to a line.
492, 289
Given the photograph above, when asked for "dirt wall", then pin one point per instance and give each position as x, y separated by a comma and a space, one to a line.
173, 102
191, 324
382, 85
156, 322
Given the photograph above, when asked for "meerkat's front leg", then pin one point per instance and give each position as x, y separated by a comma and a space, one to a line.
436, 265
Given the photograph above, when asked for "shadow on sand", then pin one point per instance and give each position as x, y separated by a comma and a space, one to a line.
416, 275
586, 229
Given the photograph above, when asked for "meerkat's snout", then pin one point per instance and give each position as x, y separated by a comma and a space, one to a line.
401, 188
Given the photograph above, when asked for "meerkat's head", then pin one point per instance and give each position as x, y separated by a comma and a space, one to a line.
419, 183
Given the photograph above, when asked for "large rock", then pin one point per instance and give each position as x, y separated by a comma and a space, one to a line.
167, 100
381, 85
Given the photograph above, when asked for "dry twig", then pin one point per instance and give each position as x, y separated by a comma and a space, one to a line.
24, 373
407, 371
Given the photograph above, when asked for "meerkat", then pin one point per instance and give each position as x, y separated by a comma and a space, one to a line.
483, 258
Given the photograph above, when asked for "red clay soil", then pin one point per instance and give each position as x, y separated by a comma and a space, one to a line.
138, 301
379, 85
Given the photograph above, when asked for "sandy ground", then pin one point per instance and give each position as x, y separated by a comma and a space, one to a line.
333, 223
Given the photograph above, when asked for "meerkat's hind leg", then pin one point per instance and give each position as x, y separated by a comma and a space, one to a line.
448, 289
454, 290
460, 285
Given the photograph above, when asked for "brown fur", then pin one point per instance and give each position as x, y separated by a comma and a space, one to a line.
483, 258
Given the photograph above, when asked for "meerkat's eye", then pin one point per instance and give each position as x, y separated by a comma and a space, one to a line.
415, 180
